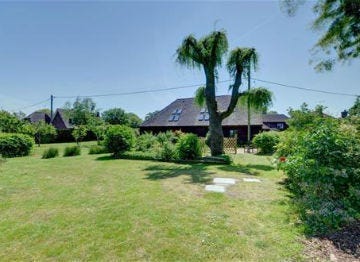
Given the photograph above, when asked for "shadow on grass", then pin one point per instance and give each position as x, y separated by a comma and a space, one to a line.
105, 158
252, 170
197, 173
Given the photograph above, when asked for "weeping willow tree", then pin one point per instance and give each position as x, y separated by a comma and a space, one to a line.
207, 53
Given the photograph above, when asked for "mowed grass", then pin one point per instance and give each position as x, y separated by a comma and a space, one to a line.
91, 207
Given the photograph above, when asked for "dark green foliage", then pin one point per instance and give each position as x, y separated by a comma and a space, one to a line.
167, 152
133, 120
81, 111
115, 116
79, 133
355, 109
136, 155
44, 133
13, 145
50, 153
189, 147
72, 151
145, 142
118, 139
266, 142
168, 136
10, 123
323, 169
97, 149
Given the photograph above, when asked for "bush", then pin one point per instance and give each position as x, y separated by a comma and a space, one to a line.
96, 149
72, 151
189, 147
323, 169
266, 142
136, 155
145, 142
168, 136
119, 139
167, 152
13, 145
50, 153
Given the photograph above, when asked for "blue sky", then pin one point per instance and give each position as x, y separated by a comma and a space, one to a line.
86, 48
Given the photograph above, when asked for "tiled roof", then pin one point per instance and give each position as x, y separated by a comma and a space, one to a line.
190, 114
268, 118
38, 116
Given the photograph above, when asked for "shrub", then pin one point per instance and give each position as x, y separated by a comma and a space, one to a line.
167, 152
13, 145
323, 169
50, 153
168, 136
266, 142
72, 151
96, 149
119, 139
145, 142
136, 155
189, 147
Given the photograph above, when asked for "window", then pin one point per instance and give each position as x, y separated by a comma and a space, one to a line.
204, 115
175, 115
280, 125
232, 132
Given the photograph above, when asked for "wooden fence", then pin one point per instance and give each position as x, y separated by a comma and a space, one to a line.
230, 145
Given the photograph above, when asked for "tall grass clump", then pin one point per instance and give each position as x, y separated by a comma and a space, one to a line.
50, 153
72, 151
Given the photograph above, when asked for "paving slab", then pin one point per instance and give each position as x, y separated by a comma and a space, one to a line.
251, 180
215, 188
224, 181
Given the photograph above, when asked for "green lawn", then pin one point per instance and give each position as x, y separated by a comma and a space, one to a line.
91, 207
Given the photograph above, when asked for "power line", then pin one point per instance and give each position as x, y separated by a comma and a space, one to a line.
197, 85
305, 89
189, 86
32, 105
139, 92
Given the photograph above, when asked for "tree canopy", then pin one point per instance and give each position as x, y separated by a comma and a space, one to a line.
207, 53
339, 20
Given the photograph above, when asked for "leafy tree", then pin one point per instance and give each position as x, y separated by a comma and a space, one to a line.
340, 21
115, 116
151, 115
133, 120
207, 53
44, 132
20, 115
81, 111
79, 133
306, 118
98, 127
355, 109
10, 123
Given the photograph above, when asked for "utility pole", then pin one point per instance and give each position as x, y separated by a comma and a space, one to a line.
51, 106
248, 111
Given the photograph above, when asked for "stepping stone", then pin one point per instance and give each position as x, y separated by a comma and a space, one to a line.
215, 188
224, 181
251, 180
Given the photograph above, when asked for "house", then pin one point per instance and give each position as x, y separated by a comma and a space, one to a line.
183, 114
38, 116
61, 121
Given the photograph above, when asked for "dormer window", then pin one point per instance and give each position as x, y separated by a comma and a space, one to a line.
204, 115
175, 115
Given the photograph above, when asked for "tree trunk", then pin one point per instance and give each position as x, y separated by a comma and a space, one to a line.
216, 136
